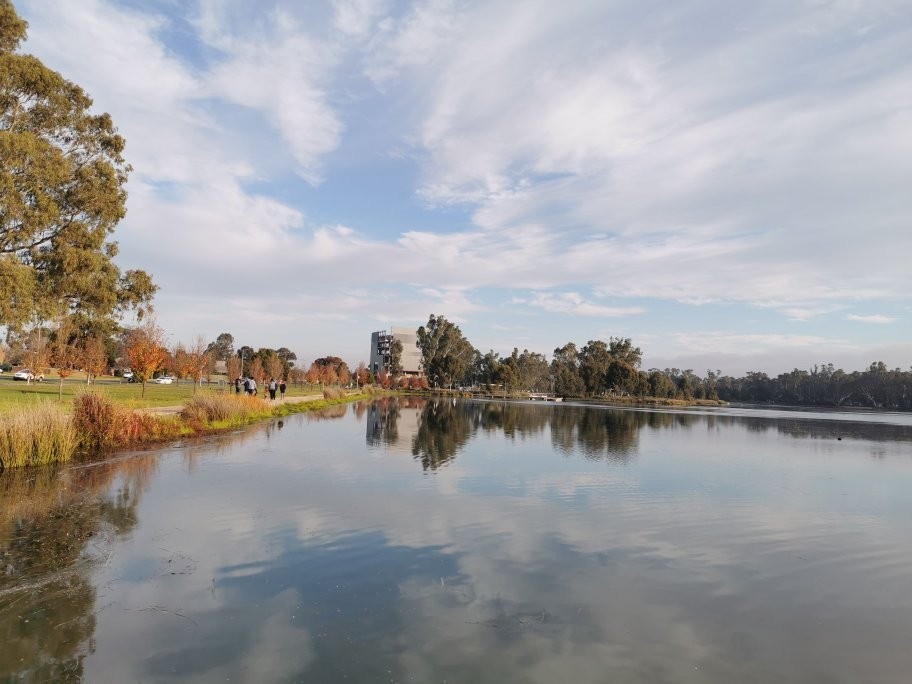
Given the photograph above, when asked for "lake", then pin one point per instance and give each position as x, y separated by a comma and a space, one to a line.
406, 540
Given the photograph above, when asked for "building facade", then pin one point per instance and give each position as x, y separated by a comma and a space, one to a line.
381, 346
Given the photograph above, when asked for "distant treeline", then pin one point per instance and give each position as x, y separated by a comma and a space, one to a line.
605, 369
875, 387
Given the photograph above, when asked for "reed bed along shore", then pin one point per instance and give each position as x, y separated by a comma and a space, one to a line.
42, 433
37, 434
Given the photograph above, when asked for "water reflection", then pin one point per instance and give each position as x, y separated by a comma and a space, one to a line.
551, 543
54, 525
437, 429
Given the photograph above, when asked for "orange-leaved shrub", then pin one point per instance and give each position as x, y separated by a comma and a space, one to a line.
93, 418
101, 424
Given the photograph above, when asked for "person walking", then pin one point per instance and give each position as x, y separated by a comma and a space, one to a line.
282, 389
253, 387
272, 389
247, 389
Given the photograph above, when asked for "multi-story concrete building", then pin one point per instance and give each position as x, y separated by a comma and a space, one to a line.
381, 344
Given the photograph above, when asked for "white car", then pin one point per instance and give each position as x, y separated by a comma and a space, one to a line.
27, 375
164, 380
127, 374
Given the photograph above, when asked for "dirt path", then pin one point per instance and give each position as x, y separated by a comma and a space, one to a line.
174, 410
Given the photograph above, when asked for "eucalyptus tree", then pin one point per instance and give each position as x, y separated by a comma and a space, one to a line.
445, 353
565, 371
395, 365
62, 176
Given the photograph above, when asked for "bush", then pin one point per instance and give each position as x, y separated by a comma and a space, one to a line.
101, 424
211, 408
333, 393
94, 420
36, 435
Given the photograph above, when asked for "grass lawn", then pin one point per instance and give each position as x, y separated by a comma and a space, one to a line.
17, 393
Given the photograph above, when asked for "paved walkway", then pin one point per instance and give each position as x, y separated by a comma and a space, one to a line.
174, 410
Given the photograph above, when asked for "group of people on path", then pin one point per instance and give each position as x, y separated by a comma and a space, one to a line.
249, 385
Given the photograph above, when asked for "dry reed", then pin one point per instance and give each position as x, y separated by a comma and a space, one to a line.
332, 393
36, 434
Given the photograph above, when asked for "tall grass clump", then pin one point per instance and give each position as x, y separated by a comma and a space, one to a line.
333, 393
36, 434
205, 409
101, 424
94, 419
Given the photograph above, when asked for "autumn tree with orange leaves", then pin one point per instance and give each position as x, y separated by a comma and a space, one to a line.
275, 367
257, 372
64, 352
199, 358
179, 362
146, 351
94, 357
234, 368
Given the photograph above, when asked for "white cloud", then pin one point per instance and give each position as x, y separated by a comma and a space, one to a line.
762, 160
281, 72
738, 343
873, 318
717, 168
357, 17
574, 304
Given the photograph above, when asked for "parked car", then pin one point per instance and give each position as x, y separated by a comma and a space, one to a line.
164, 380
127, 374
27, 375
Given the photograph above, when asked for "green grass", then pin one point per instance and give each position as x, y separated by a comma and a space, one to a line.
15, 394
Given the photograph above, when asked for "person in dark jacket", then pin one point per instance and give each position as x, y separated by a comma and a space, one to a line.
272, 389
282, 389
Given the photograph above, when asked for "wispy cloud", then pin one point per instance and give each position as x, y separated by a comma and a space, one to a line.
575, 304
871, 318
594, 148
739, 343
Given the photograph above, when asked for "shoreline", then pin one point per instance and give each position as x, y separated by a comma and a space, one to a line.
103, 427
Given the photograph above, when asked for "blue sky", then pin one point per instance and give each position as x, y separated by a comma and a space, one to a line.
726, 183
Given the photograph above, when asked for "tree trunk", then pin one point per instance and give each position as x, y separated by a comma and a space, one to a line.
60, 390
143, 393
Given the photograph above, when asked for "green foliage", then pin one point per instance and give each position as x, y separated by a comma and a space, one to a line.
222, 347
12, 28
875, 387
395, 365
446, 354
565, 371
61, 195
609, 367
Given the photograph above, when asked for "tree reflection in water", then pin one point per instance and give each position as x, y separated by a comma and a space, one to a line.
445, 426
443, 429
54, 524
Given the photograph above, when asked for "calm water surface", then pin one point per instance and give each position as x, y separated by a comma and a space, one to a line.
420, 541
